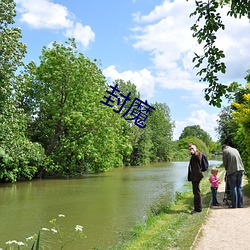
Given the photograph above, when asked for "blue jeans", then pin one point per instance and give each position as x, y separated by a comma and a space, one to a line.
214, 196
235, 182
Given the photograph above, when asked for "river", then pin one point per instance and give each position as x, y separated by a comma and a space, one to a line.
105, 204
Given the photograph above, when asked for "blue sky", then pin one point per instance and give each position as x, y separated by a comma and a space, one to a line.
148, 42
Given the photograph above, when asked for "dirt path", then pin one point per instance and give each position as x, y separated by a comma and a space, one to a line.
225, 228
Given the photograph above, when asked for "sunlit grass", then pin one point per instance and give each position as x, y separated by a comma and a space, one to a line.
170, 226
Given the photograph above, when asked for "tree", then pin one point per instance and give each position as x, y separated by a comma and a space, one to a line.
227, 127
196, 131
183, 144
242, 117
161, 133
136, 136
12, 50
20, 158
77, 131
208, 23
229, 130
233, 123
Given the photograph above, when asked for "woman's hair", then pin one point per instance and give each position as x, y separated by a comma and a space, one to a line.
214, 170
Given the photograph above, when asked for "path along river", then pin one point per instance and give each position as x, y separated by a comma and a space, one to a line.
104, 204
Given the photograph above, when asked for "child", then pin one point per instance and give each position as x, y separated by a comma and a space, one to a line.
214, 185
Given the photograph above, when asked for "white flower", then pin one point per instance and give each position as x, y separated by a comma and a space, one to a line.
29, 238
78, 228
61, 215
10, 242
45, 229
20, 243
54, 230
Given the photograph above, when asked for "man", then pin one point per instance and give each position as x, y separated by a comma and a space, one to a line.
195, 175
235, 169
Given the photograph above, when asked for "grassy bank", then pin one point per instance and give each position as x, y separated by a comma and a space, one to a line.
170, 227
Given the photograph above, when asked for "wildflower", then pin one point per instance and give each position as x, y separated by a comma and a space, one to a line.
29, 238
54, 230
78, 228
45, 229
61, 215
20, 243
10, 242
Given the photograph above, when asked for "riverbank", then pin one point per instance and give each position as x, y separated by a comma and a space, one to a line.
172, 227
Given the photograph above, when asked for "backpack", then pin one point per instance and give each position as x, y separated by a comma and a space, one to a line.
204, 163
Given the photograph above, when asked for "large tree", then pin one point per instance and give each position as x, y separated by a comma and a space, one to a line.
240, 115
184, 142
12, 51
207, 25
19, 157
77, 131
196, 131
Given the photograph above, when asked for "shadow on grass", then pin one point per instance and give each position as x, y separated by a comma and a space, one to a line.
183, 204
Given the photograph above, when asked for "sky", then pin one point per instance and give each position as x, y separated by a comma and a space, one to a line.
147, 42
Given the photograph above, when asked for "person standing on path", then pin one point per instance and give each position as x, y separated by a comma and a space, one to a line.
235, 169
214, 186
195, 175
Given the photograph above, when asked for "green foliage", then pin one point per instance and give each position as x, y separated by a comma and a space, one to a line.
52, 122
201, 146
36, 243
138, 140
215, 148
161, 132
205, 28
233, 123
20, 158
242, 117
196, 131
77, 131
227, 127
238, 8
12, 50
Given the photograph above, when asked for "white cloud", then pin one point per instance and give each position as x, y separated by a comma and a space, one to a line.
234, 41
165, 33
44, 14
83, 34
143, 79
200, 117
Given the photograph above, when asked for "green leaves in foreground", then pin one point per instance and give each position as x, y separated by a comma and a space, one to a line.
210, 63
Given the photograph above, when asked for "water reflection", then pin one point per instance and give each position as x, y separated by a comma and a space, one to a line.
105, 204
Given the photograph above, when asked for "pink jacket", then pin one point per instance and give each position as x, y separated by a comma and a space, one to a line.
214, 181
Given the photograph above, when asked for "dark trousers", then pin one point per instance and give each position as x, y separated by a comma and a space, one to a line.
197, 196
214, 196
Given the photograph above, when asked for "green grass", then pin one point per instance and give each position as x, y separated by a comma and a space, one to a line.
170, 226
246, 188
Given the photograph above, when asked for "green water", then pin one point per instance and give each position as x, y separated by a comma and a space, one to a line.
104, 204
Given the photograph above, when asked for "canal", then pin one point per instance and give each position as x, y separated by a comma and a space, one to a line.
105, 204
